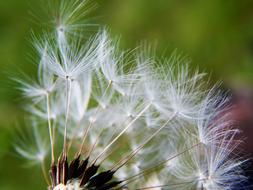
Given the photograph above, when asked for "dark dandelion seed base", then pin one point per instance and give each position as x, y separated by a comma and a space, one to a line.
79, 170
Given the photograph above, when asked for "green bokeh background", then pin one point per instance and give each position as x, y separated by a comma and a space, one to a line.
216, 34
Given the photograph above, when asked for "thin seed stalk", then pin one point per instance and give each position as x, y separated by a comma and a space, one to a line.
131, 155
68, 95
123, 131
44, 172
149, 170
91, 122
50, 127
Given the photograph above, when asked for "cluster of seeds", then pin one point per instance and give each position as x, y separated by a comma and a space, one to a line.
124, 119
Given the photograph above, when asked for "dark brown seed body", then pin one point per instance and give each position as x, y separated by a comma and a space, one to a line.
89, 177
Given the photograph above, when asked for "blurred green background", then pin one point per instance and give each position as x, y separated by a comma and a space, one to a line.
216, 34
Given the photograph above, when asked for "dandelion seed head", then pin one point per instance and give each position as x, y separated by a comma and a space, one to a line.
124, 119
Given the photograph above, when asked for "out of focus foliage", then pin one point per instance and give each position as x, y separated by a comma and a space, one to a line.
217, 35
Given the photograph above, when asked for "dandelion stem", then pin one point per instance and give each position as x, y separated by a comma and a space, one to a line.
50, 128
122, 132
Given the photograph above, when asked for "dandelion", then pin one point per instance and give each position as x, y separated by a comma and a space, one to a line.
124, 120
